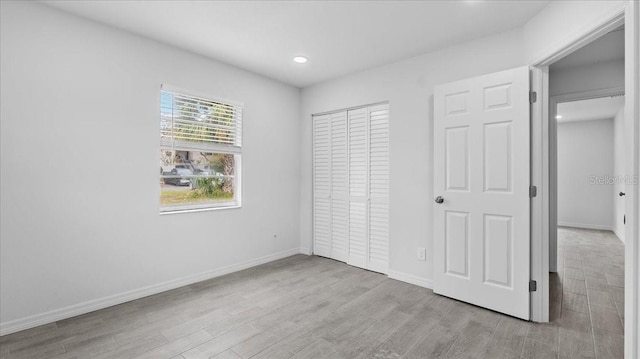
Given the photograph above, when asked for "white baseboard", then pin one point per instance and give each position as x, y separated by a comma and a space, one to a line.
101, 303
411, 279
585, 226
619, 234
306, 251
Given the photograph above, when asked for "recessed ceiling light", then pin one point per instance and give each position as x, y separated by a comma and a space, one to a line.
558, 117
300, 59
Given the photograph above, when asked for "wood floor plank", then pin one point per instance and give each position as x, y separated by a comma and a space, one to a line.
434, 345
601, 298
607, 319
376, 334
221, 343
135, 348
571, 345
536, 350
177, 346
410, 334
318, 349
608, 344
265, 339
472, 342
575, 302
38, 351
509, 336
196, 324
227, 354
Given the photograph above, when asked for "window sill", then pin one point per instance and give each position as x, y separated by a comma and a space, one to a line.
206, 209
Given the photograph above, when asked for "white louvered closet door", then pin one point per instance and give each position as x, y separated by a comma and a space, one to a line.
351, 187
322, 185
358, 187
339, 187
379, 188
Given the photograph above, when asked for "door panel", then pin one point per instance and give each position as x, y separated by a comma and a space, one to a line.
379, 188
378, 237
358, 187
339, 187
481, 154
498, 234
322, 227
457, 158
497, 157
358, 153
358, 242
339, 229
322, 185
457, 244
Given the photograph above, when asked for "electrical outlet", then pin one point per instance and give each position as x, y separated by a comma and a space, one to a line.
422, 254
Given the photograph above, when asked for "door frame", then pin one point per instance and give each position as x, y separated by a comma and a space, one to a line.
629, 15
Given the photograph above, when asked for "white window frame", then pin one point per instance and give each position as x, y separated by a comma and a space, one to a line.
211, 148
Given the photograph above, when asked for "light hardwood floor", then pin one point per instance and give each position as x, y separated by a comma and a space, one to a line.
311, 307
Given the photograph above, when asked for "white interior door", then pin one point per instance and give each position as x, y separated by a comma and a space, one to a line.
481, 233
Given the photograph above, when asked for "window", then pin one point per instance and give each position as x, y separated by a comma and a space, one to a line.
200, 152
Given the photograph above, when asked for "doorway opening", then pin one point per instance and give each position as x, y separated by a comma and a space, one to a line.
587, 182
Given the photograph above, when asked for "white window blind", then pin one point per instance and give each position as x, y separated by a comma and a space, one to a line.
194, 123
200, 152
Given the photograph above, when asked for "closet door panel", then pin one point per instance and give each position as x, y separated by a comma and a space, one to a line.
379, 188
358, 187
378, 237
339, 187
358, 241
322, 227
322, 185
339, 230
358, 154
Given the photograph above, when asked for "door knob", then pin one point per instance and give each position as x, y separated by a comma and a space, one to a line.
439, 199
621, 194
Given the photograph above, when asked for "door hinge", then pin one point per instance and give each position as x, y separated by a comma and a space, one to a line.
533, 96
533, 286
533, 191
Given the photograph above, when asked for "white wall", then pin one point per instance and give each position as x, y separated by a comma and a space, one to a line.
598, 76
585, 149
79, 213
408, 86
563, 22
619, 171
